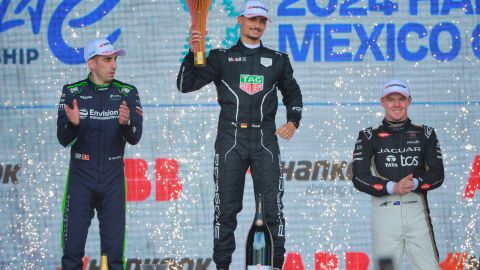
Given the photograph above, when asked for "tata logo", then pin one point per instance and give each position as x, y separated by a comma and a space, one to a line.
399, 150
391, 162
408, 161
251, 84
83, 113
391, 165
391, 158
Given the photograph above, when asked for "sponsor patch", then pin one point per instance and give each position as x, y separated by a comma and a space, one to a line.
298, 109
412, 133
265, 61
125, 90
83, 113
386, 203
383, 134
428, 131
115, 97
237, 59
251, 84
368, 133
425, 186
73, 90
82, 156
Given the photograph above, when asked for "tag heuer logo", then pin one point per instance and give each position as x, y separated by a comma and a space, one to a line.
251, 84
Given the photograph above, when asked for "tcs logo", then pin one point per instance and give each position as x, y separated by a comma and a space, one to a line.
168, 185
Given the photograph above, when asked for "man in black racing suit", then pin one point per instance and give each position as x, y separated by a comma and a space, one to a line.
408, 163
247, 77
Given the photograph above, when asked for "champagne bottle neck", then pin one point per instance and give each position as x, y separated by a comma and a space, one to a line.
259, 214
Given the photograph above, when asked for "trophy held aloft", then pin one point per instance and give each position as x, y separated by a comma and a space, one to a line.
198, 11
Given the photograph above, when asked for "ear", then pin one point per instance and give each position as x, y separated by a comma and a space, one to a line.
91, 63
239, 20
382, 101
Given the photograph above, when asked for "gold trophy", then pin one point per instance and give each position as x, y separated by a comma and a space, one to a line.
198, 11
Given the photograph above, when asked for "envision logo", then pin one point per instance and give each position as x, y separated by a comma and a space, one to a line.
83, 113
103, 115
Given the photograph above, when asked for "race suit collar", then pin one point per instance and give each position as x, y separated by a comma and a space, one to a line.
97, 87
247, 51
396, 126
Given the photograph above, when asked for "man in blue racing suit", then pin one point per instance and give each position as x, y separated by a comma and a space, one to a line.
96, 117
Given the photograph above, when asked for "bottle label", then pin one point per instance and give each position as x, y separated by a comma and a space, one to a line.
259, 267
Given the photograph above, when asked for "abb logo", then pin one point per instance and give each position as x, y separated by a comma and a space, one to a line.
168, 185
474, 180
328, 261
361, 261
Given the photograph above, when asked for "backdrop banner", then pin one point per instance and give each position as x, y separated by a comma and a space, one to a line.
341, 51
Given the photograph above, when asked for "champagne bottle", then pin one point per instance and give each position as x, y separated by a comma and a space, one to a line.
259, 249
103, 261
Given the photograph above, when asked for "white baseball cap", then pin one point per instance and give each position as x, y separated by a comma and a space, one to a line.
253, 8
100, 47
395, 86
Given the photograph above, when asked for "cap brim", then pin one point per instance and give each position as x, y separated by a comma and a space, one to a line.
118, 52
396, 91
256, 15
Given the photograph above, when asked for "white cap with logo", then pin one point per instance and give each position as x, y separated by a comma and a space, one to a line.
395, 86
253, 8
100, 47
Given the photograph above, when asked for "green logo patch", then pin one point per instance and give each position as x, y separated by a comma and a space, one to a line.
251, 84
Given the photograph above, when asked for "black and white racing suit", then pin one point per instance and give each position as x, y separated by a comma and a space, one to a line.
247, 81
400, 223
